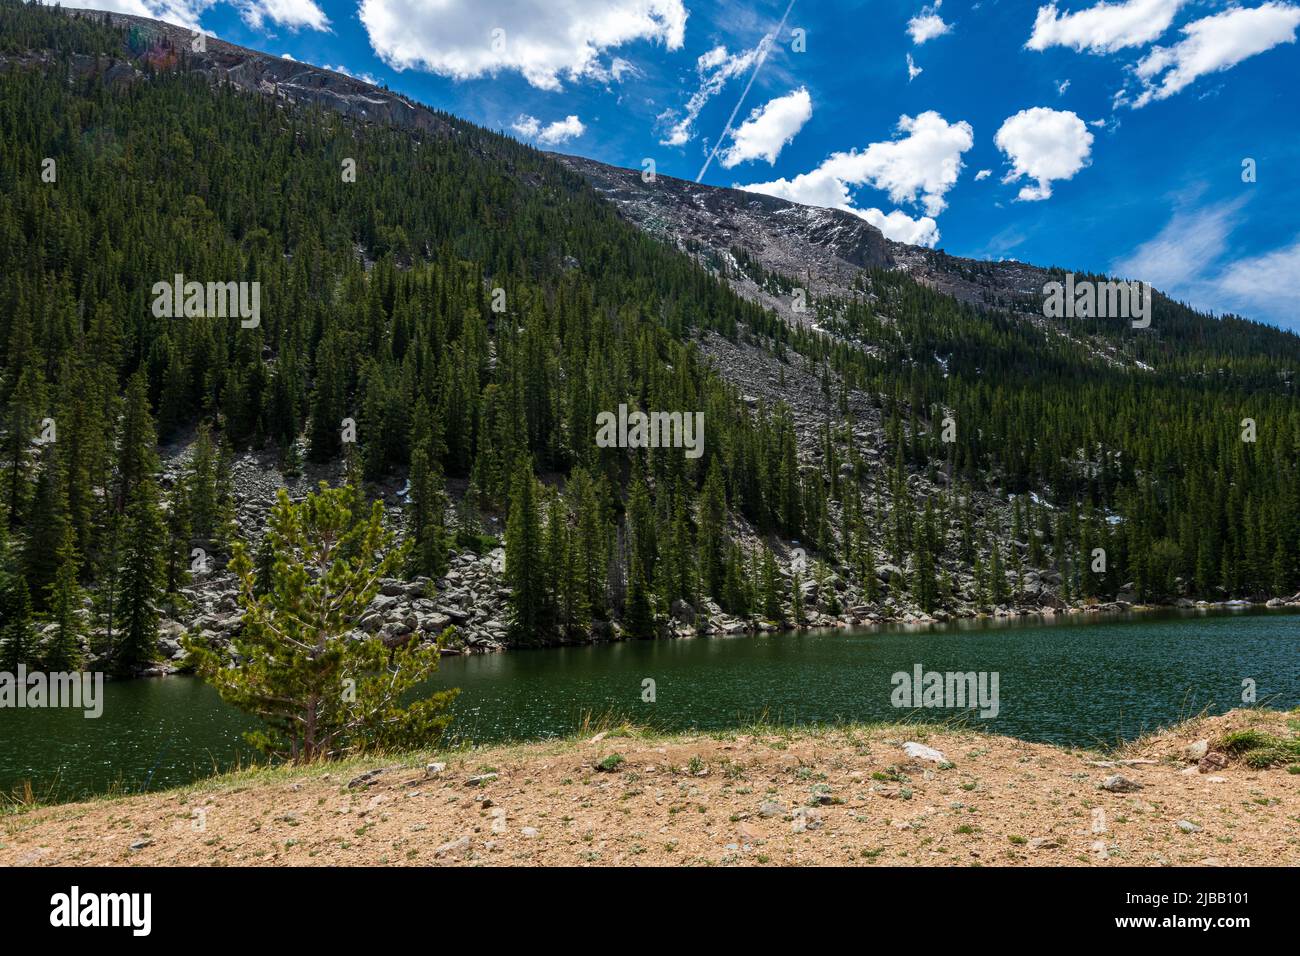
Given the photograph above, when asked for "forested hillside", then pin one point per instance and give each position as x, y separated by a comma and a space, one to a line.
446, 306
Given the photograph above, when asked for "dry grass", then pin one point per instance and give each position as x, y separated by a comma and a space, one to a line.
621, 795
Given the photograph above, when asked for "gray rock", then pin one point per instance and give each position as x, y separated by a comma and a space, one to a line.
1117, 783
1198, 750
807, 818
453, 846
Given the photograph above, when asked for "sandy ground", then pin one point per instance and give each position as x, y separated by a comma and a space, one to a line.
845, 796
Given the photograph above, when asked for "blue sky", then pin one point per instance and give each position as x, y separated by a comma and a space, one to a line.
1099, 136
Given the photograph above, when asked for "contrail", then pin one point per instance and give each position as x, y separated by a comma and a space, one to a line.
762, 55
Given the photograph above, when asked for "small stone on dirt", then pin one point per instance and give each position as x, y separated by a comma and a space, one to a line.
1118, 783
922, 752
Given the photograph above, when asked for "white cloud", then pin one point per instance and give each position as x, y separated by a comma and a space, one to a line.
768, 129
983, 174
1061, 87
1188, 260
560, 131
542, 40
1264, 286
919, 166
913, 71
363, 77
1043, 145
901, 227
182, 13
1180, 254
927, 24
293, 14
714, 68
1213, 44
1104, 28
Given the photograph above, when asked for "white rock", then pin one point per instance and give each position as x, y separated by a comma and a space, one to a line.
922, 752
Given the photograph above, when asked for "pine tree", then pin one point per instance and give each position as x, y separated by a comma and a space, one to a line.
137, 442
771, 594
177, 549
427, 528
319, 693
142, 580
201, 481
20, 413
63, 650
638, 616
713, 522
525, 571
47, 519
17, 632
998, 594
796, 599
591, 541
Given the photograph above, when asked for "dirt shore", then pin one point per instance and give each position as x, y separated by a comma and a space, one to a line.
841, 796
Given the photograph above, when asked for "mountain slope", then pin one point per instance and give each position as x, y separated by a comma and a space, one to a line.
452, 321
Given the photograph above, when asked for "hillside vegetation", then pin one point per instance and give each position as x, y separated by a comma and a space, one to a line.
457, 314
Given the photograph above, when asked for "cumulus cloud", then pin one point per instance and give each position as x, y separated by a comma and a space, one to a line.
913, 71
542, 40
927, 24
769, 128
560, 131
900, 227
1103, 28
182, 13
714, 68
983, 174
1043, 145
292, 14
1213, 44
918, 166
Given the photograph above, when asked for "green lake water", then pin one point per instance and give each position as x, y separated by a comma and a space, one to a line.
1071, 681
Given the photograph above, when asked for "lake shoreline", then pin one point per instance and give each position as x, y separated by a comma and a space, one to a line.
862, 795
1026, 616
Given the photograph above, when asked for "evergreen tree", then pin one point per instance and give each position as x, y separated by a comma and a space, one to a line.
177, 549
319, 693
638, 616
427, 528
142, 580
63, 649
525, 568
713, 522
17, 632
